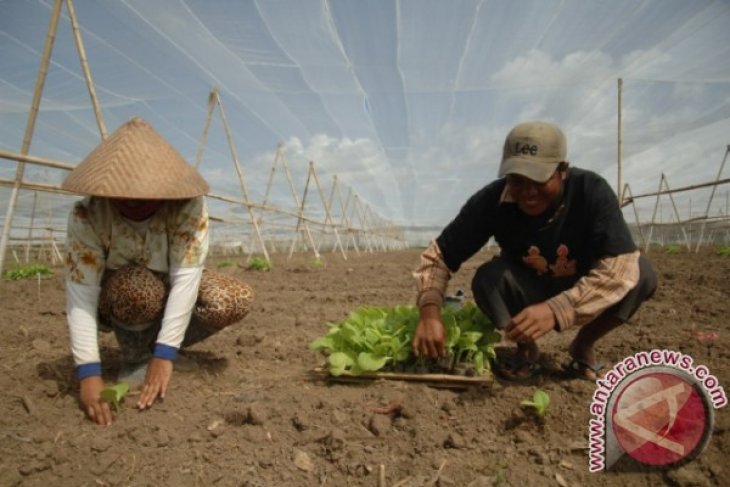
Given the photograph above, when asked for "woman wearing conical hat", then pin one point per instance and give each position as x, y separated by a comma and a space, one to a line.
136, 248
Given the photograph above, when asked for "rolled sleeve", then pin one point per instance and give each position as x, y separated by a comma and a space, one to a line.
606, 284
432, 277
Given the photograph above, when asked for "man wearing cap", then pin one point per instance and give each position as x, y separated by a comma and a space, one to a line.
567, 259
136, 246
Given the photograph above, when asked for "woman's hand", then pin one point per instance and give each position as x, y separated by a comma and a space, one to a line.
96, 408
159, 373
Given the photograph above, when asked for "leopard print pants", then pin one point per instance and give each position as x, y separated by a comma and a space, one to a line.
133, 298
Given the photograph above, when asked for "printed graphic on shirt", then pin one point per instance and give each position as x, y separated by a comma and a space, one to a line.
535, 260
563, 267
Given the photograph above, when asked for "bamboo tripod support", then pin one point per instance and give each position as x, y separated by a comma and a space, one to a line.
35, 104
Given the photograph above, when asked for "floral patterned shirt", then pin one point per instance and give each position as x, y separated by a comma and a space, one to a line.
99, 238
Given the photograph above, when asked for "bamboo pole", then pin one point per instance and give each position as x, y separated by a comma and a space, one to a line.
712, 195
345, 219
627, 190
85, 68
619, 186
29, 128
328, 216
30, 228
206, 127
39, 161
301, 215
239, 171
277, 155
676, 214
718, 182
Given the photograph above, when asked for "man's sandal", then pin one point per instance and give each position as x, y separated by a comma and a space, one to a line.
518, 370
578, 369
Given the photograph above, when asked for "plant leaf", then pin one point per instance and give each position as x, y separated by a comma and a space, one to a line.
114, 394
542, 401
370, 362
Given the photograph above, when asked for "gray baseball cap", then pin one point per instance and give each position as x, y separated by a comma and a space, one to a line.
533, 150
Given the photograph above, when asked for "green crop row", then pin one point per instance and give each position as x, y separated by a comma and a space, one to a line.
27, 271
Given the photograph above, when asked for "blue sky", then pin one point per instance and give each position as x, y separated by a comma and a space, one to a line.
407, 102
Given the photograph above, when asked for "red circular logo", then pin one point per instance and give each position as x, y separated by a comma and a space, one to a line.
661, 418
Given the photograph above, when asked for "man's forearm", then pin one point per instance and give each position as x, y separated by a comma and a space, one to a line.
432, 277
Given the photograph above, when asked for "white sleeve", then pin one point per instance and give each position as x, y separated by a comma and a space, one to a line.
81, 307
184, 283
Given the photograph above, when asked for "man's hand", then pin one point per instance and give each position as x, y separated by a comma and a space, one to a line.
428, 339
531, 323
94, 406
159, 372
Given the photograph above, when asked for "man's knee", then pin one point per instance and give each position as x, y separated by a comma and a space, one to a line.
488, 277
647, 279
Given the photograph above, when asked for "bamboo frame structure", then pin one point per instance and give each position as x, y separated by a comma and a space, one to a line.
664, 189
35, 105
303, 220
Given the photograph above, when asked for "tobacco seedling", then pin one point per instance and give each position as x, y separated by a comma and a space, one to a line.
225, 263
114, 394
259, 264
30, 270
540, 401
724, 251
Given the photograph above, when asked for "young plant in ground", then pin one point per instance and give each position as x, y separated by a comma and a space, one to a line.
672, 248
27, 271
371, 338
225, 263
724, 251
114, 394
318, 262
259, 264
540, 402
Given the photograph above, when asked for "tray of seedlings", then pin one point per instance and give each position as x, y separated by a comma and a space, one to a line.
375, 343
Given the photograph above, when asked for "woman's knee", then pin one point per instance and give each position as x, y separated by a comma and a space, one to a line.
222, 300
132, 296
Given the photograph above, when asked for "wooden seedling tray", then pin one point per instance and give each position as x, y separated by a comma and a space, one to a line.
436, 380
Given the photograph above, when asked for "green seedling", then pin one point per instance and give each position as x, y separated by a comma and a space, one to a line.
114, 394
540, 401
672, 249
500, 474
259, 264
27, 271
724, 251
318, 262
225, 264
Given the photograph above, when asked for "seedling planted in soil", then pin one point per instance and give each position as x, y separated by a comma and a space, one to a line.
540, 402
114, 394
27, 271
259, 264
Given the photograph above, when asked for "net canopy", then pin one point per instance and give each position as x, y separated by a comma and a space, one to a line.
407, 101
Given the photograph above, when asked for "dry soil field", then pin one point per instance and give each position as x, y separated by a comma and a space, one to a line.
251, 414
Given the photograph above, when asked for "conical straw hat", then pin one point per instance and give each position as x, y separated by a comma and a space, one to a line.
135, 162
